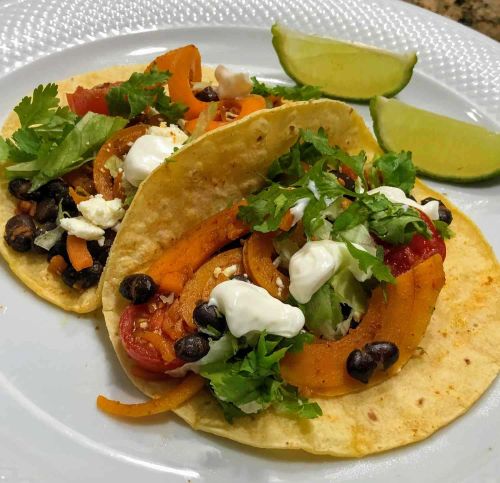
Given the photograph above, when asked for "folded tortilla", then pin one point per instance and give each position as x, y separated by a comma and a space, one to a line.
459, 356
32, 268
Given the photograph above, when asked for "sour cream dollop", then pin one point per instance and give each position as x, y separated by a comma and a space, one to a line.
316, 262
249, 308
396, 195
150, 150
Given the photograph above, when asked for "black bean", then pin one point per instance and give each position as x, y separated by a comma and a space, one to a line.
84, 278
70, 276
360, 365
20, 187
346, 310
56, 189
89, 277
69, 206
101, 253
59, 248
207, 95
345, 180
46, 210
241, 278
138, 288
444, 212
20, 231
206, 315
192, 347
384, 352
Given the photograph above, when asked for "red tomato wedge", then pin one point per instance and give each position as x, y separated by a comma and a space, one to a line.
142, 349
90, 100
402, 258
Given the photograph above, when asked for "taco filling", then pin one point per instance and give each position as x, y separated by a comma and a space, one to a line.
73, 171
280, 296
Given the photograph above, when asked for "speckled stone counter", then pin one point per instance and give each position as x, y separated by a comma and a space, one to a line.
481, 15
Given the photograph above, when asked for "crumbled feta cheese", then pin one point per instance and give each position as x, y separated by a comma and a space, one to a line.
232, 84
82, 228
217, 272
279, 282
101, 212
277, 261
230, 271
143, 325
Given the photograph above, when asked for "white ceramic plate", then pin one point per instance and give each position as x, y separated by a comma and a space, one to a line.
52, 364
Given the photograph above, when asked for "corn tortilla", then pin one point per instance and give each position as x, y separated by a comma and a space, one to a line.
459, 357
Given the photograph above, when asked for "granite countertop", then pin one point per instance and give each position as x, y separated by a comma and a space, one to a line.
481, 15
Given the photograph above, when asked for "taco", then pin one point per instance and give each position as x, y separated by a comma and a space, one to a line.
284, 270
78, 150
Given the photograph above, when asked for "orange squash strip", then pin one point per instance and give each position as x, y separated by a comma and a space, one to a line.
257, 258
178, 262
171, 399
185, 66
190, 126
287, 221
204, 280
164, 347
78, 253
57, 265
77, 198
118, 144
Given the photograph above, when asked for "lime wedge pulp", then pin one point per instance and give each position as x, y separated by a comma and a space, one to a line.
344, 70
442, 148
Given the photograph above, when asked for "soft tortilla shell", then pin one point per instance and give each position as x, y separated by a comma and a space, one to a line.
31, 268
460, 356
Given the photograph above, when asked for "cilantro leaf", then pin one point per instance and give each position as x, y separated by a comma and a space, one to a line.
266, 209
293, 93
368, 262
140, 91
392, 169
444, 229
39, 108
250, 381
391, 222
4, 150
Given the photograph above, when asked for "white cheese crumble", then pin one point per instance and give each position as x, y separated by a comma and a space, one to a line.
316, 262
232, 84
249, 308
101, 212
149, 151
217, 272
82, 228
396, 195
230, 271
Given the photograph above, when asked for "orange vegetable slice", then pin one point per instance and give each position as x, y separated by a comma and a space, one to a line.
77, 198
258, 260
321, 368
184, 64
172, 399
177, 263
118, 145
57, 265
162, 345
78, 253
204, 280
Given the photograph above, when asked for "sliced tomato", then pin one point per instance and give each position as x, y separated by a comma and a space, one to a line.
402, 258
90, 100
140, 350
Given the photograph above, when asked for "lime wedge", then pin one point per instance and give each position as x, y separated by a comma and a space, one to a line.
442, 148
344, 70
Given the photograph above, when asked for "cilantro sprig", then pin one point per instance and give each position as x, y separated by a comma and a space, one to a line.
292, 93
143, 90
251, 379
